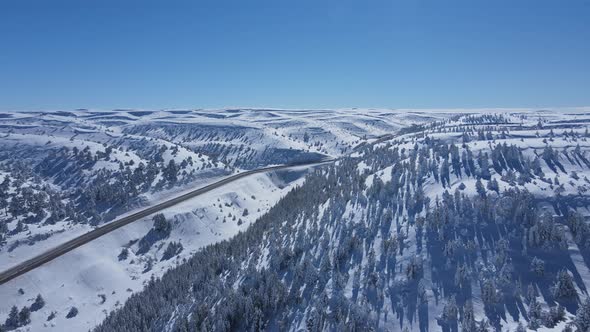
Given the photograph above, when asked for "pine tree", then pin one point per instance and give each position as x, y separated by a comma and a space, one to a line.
582, 319
24, 316
162, 225
450, 310
12, 320
535, 312
538, 266
468, 318
123, 254
72, 313
171, 172
564, 285
479, 188
38, 304
493, 185
488, 291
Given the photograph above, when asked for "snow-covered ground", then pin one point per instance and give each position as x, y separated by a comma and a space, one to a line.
94, 279
216, 143
81, 277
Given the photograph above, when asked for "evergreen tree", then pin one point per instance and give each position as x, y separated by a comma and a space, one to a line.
38, 304
480, 189
72, 313
123, 254
24, 316
12, 322
493, 185
538, 266
161, 225
450, 310
171, 172
564, 285
488, 291
582, 319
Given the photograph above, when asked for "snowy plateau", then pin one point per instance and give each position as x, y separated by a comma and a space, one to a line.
390, 220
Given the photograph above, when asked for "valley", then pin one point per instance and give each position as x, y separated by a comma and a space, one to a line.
471, 220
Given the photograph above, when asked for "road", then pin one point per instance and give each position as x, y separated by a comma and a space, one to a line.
65, 247
70, 245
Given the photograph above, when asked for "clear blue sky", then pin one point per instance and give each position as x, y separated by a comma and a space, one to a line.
294, 54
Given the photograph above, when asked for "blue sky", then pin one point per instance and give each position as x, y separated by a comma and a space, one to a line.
294, 54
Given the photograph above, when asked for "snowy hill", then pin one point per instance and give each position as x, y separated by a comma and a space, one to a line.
87, 167
473, 223
450, 220
64, 173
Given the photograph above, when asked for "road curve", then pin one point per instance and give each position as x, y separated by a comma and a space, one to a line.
65, 247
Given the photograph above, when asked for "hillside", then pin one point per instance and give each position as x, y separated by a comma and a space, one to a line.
473, 223
65, 173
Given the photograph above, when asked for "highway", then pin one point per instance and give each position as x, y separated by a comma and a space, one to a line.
65, 247
72, 244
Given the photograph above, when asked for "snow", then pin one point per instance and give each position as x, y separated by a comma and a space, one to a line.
80, 276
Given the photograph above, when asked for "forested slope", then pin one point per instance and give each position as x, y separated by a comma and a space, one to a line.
475, 223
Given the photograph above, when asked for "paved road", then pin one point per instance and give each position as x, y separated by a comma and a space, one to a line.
63, 248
